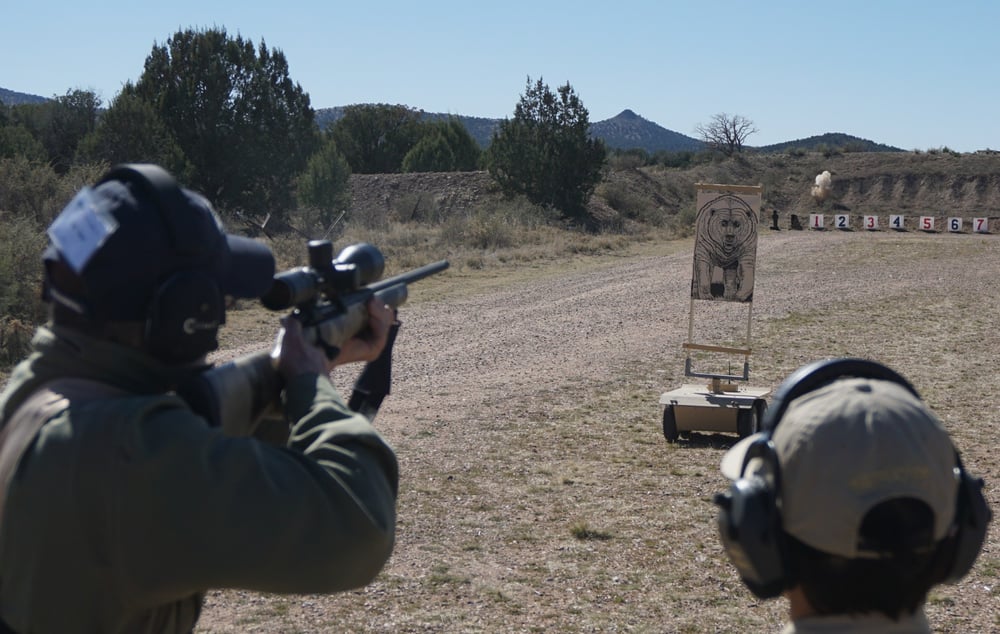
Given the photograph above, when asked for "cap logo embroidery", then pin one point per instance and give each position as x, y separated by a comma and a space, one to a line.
872, 479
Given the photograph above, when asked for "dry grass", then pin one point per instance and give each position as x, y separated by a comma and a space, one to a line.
538, 493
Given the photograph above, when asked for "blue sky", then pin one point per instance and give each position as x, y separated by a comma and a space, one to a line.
913, 74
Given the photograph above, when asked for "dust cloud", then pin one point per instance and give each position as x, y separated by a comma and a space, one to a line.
824, 183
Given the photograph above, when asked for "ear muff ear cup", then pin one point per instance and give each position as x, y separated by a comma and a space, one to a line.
750, 519
749, 523
184, 318
959, 551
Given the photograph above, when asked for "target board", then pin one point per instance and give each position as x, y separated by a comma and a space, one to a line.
725, 242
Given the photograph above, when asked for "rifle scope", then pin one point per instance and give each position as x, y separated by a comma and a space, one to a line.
355, 267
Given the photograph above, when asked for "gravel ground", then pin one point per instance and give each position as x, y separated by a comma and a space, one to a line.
538, 493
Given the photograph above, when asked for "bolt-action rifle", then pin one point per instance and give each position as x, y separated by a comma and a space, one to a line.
330, 298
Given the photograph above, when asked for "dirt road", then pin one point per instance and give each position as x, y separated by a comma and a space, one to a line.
538, 493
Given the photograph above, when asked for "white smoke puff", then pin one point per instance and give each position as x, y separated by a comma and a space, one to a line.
823, 186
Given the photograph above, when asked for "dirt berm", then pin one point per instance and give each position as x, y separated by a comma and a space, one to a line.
938, 184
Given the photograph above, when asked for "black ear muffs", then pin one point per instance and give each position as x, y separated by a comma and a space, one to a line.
187, 309
958, 552
750, 512
749, 522
184, 318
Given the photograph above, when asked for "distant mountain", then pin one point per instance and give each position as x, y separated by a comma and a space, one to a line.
628, 131
11, 98
830, 140
326, 117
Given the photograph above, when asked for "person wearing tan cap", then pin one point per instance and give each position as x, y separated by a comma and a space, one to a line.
852, 502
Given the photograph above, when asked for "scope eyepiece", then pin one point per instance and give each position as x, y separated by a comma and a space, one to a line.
291, 288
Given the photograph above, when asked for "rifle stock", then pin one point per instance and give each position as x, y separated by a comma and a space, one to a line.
237, 395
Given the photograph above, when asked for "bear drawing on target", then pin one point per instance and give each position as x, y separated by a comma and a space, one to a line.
725, 248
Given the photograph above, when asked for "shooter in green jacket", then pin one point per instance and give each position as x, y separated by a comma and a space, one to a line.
119, 506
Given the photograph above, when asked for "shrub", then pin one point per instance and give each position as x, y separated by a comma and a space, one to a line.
628, 159
27, 188
33, 190
682, 224
682, 159
628, 204
15, 340
546, 152
20, 268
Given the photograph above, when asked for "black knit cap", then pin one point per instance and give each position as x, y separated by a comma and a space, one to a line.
115, 243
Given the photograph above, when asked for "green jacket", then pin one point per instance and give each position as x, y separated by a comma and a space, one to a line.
125, 510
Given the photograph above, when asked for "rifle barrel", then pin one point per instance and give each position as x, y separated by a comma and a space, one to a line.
410, 276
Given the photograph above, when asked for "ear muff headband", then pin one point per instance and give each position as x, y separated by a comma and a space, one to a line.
815, 375
185, 227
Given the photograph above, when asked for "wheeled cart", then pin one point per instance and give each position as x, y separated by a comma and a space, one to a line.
724, 269
738, 409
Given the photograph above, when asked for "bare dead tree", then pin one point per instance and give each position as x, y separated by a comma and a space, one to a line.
726, 133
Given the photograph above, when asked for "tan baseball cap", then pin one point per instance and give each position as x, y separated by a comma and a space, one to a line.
847, 446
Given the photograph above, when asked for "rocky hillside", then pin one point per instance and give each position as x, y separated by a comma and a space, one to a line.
938, 184
412, 196
628, 130
13, 98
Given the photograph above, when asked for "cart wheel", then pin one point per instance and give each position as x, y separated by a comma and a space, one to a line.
669, 424
761, 407
747, 421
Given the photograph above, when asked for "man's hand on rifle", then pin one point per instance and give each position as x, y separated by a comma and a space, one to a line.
368, 344
297, 356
